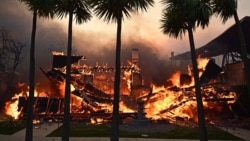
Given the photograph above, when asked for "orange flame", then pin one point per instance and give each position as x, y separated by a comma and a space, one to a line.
57, 53
11, 107
163, 103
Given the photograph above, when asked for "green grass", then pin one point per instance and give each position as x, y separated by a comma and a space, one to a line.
193, 133
81, 130
10, 126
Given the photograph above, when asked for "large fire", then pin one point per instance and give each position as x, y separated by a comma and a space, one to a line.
160, 102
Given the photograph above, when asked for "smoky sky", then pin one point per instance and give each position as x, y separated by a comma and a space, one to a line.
50, 36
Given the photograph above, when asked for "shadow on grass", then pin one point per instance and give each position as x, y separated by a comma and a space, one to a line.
81, 130
10, 126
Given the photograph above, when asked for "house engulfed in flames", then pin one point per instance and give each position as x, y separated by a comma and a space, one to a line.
92, 94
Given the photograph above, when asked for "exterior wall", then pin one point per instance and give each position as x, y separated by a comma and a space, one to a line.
235, 74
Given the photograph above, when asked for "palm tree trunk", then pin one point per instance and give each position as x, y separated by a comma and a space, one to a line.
201, 118
243, 52
29, 127
66, 119
115, 114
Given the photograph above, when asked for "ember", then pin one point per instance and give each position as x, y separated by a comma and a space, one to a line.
91, 97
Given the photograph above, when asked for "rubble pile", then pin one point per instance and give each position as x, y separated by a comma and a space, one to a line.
91, 95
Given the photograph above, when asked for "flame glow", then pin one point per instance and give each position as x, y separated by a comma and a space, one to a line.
163, 102
57, 53
11, 107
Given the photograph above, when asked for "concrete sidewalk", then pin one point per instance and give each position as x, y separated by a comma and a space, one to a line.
239, 132
40, 132
38, 138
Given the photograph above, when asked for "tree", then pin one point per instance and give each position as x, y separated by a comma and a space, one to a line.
81, 10
115, 11
16, 57
227, 9
42, 8
10, 51
179, 16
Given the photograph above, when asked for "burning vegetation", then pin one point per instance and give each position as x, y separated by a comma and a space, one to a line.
92, 94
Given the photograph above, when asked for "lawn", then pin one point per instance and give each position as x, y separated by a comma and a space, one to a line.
81, 130
10, 126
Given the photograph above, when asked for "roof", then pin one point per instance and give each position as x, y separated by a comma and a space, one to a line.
226, 42
60, 61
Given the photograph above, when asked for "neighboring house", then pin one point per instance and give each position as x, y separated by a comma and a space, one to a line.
226, 47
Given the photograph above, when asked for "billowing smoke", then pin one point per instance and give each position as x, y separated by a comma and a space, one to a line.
97, 47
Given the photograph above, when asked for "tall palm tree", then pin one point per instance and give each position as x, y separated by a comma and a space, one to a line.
81, 11
43, 8
179, 16
115, 11
227, 9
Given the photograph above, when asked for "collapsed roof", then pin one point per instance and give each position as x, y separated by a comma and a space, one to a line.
227, 42
60, 61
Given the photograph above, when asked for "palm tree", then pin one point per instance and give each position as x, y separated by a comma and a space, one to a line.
227, 9
81, 10
115, 11
43, 8
178, 17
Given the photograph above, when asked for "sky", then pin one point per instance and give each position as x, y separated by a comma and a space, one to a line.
96, 39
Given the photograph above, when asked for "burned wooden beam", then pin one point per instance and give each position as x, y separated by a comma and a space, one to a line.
22, 104
96, 93
212, 70
185, 79
42, 105
55, 105
172, 107
91, 97
219, 99
60, 61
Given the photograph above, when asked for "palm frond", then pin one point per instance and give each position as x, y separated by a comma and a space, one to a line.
172, 24
44, 8
204, 13
106, 9
138, 5
179, 15
109, 9
224, 8
80, 9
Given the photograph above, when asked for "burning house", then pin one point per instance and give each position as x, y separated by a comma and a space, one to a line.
92, 94
92, 89
227, 47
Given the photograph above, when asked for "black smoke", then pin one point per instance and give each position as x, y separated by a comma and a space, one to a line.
51, 35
